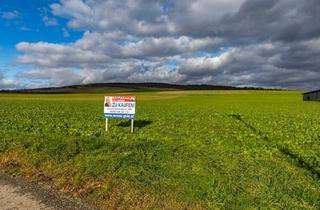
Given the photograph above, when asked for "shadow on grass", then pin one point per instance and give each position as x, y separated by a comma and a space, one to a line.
137, 123
300, 162
255, 130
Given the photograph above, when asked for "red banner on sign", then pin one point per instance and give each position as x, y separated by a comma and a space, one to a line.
123, 98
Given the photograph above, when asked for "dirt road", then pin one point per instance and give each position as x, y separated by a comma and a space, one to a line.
19, 194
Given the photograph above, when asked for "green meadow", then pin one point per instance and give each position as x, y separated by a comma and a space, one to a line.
189, 150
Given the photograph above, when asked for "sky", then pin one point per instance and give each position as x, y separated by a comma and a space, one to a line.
270, 44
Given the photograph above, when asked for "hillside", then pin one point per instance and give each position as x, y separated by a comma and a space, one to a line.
126, 87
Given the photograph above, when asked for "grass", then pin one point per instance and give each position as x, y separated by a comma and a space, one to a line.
190, 149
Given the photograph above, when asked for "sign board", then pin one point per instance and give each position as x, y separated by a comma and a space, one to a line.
120, 107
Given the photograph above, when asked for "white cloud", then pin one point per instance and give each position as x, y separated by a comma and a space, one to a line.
10, 15
140, 17
166, 46
49, 21
57, 55
205, 65
99, 48
8, 83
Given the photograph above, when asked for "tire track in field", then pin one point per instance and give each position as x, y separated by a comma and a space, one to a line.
300, 162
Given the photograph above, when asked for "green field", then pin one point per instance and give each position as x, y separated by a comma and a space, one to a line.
190, 149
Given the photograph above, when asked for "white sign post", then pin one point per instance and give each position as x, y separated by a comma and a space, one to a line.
123, 107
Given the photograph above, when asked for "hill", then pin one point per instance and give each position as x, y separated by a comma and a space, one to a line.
127, 87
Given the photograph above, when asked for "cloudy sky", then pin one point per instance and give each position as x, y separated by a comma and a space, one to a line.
265, 43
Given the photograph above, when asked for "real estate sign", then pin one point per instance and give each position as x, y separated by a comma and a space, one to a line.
120, 107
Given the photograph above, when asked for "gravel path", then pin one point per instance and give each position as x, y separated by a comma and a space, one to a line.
18, 194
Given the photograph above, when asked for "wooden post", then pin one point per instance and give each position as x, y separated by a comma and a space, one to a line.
107, 126
131, 125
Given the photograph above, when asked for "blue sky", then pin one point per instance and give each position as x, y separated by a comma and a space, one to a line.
28, 24
23, 21
272, 44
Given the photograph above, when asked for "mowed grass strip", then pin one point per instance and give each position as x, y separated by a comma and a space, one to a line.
189, 151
